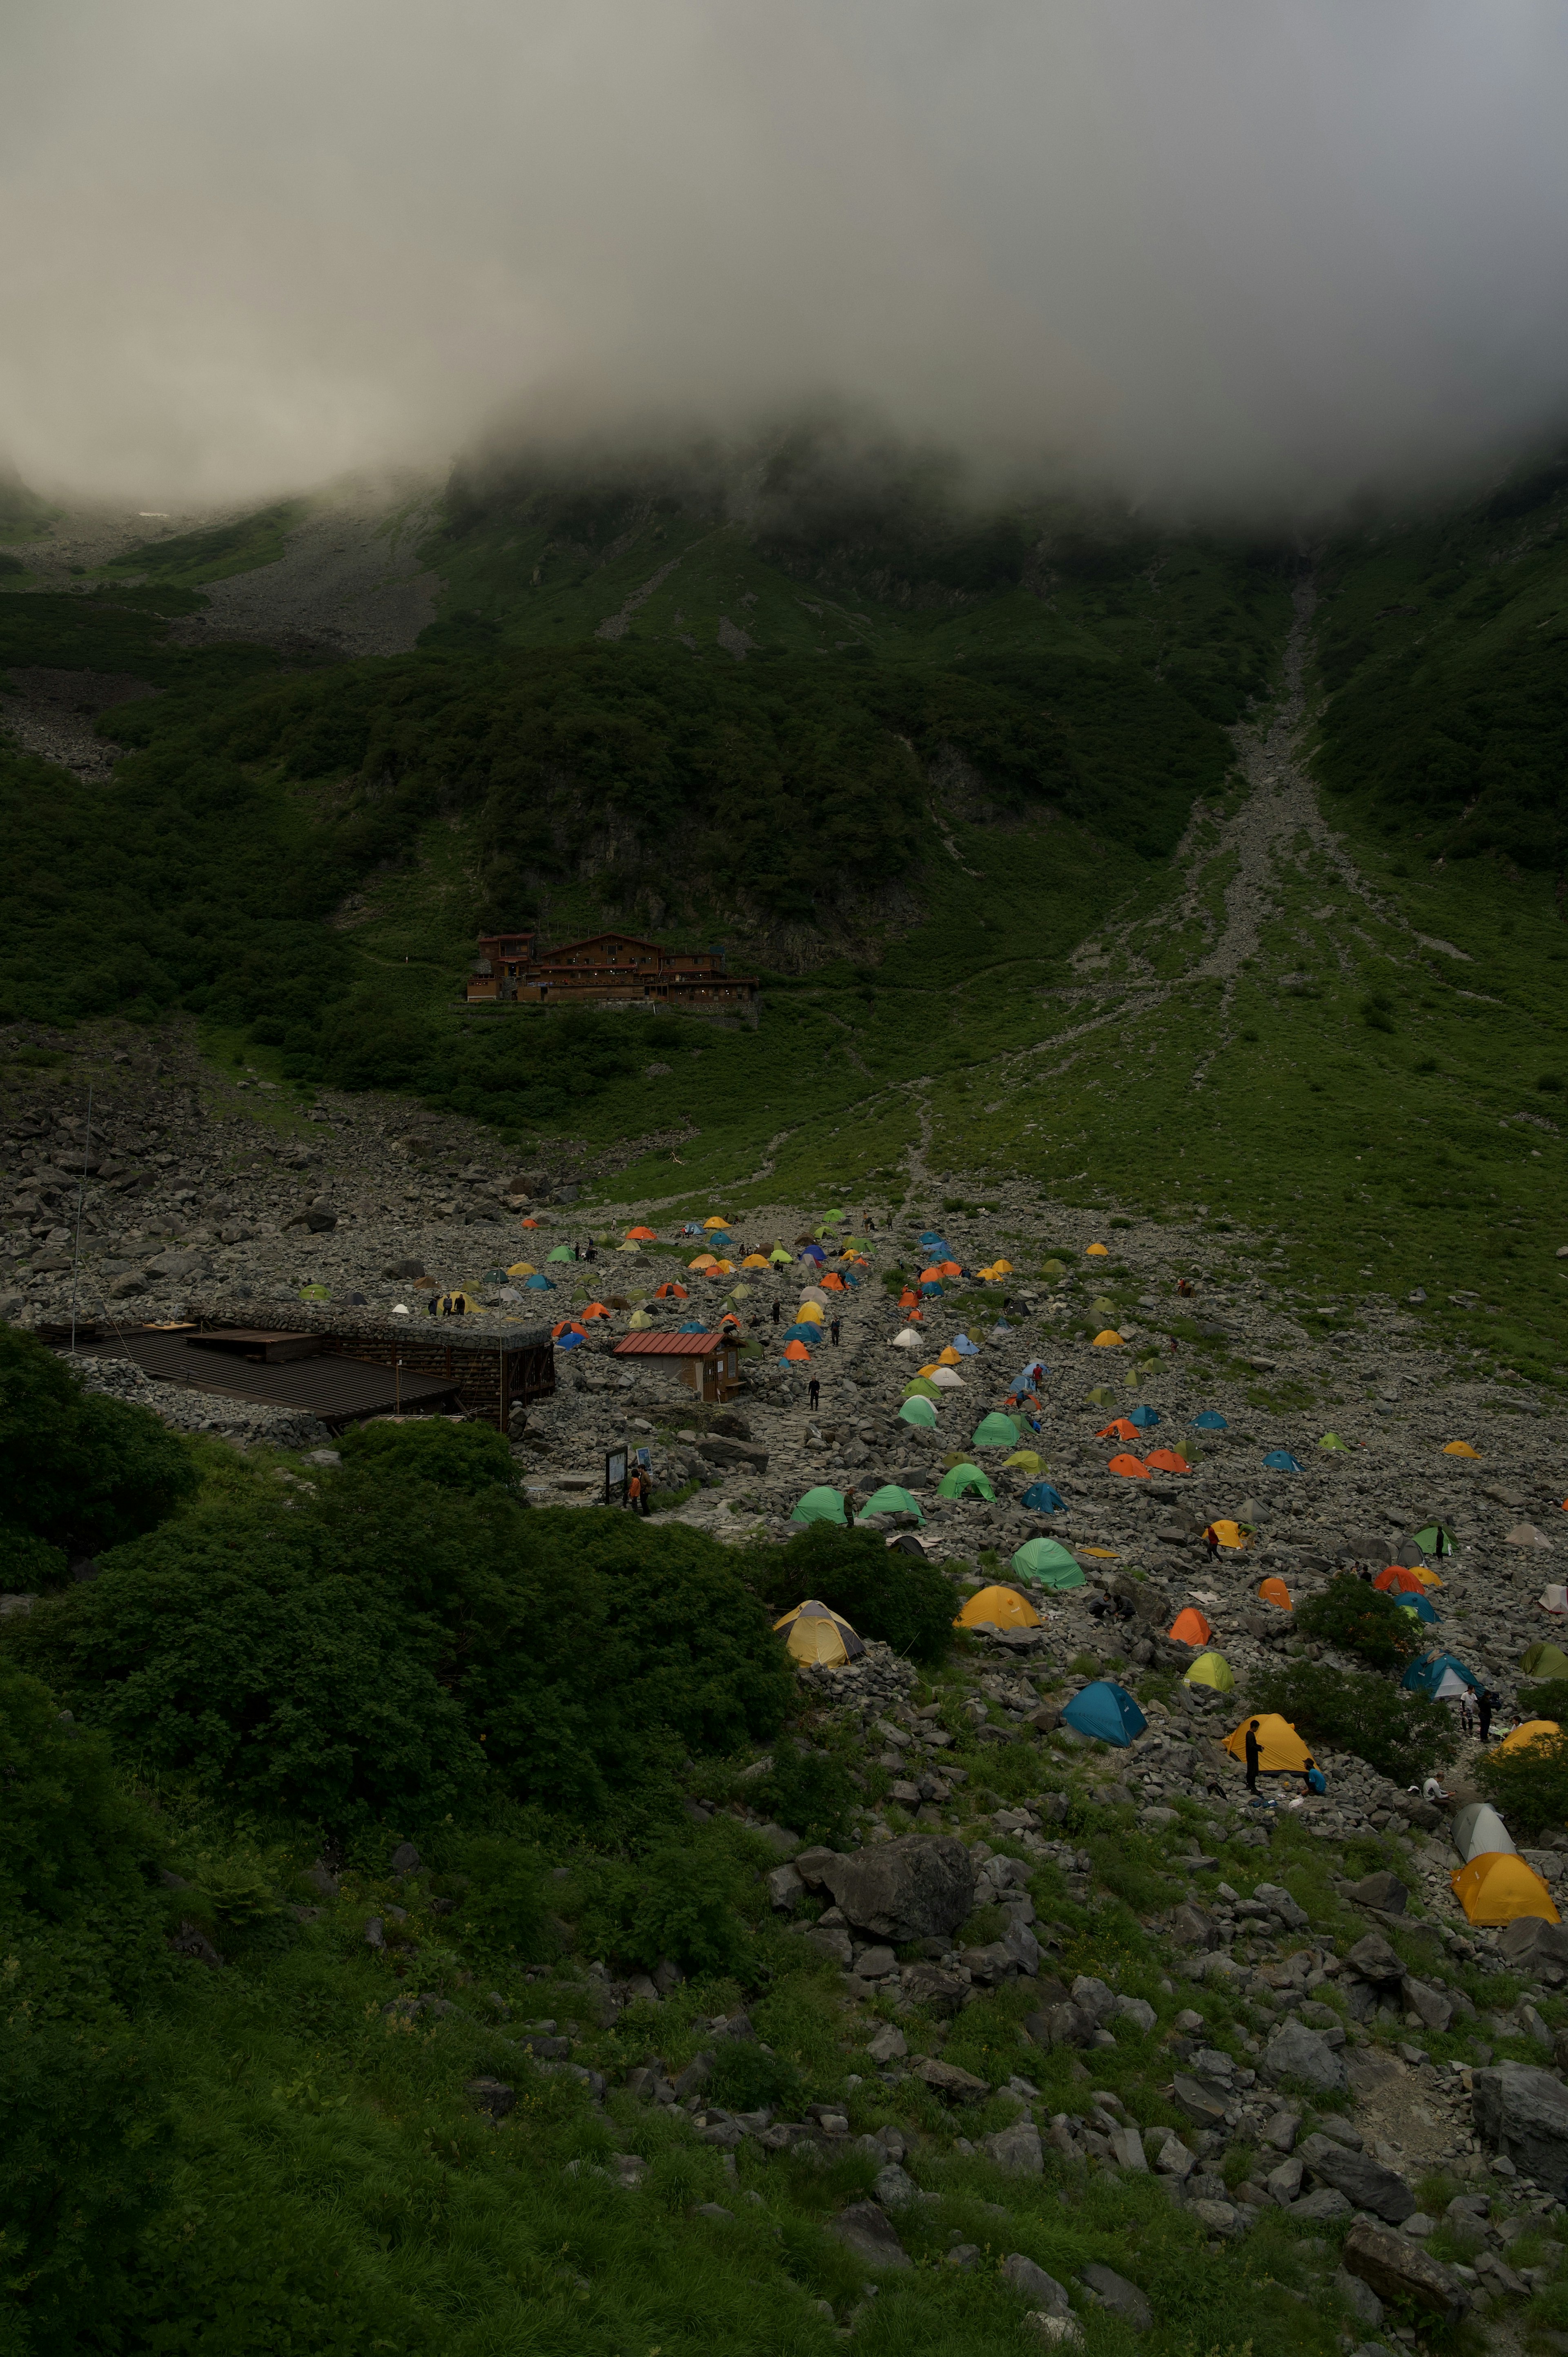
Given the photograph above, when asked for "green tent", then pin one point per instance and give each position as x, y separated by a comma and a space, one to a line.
920, 1412
1544, 1660
1101, 1395
778, 1257
562, 1252
891, 1500
818, 1506
1048, 1561
963, 1481
922, 1387
314, 1293
996, 1431
1434, 1539
1332, 1440
1210, 1670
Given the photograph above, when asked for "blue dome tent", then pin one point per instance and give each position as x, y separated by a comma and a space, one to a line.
1105, 1712
1041, 1498
1439, 1676
1211, 1421
1279, 1460
1146, 1418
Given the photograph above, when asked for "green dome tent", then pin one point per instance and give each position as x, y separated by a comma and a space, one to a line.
996, 1431
962, 1480
562, 1252
1048, 1561
1210, 1670
1544, 1660
920, 1412
922, 1387
1332, 1440
1434, 1538
819, 1506
891, 1500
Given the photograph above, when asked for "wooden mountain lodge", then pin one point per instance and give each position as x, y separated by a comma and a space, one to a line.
608, 969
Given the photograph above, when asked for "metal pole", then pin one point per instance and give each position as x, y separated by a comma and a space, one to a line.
80, 1192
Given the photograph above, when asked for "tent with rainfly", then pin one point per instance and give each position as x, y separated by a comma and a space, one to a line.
1281, 1751
1049, 1562
996, 1431
891, 1500
1121, 1428
1422, 1608
1434, 1538
1440, 1676
997, 1608
962, 1480
1167, 1460
1499, 1886
1106, 1713
1544, 1660
1477, 1829
1459, 1448
818, 1635
1534, 1730
1024, 1460
1041, 1498
908, 1340
1144, 1418
820, 1505
921, 1387
1332, 1440
965, 1347
919, 1412
1130, 1469
1191, 1627
1279, 1460
1396, 1576
1210, 1419
1211, 1670
1276, 1592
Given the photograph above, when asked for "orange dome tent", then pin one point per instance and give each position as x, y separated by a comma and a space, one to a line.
1497, 1887
832, 1284
795, 1351
640, 1237
671, 1293
1097, 1252
1459, 1448
1190, 1628
1166, 1461
593, 1309
1122, 1429
1109, 1339
1275, 1591
1001, 1608
1131, 1469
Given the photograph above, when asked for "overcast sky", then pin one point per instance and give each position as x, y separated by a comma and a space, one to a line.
1212, 249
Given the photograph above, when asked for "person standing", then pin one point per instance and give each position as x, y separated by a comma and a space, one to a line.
634, 1491
1254, 1755
1467, 1720
851, 1505
814, 1390
834, 1332
1211, 1540
1484, 1709
775, 1313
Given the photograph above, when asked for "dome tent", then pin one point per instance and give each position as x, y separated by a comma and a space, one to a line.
1146, 1418
818, 1635
820, 1505
1106, 1713
1440, 1676
1279, 1460
891, 1500
1534, 1730
1211, 1670
1041, 1498
1499, 1886
1478, 1828
1281, 1750
1210, 1420
1049, 1562
997, 1608
1191, 1627
996, 1431
1544, 1660
959, 1481
1434, 1538
918, 1412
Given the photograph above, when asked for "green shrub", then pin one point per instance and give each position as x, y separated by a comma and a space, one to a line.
1529, 1787
902, 1599
1402, 1735
745, 2078
464, 1456
78, 1471
1547, 1700
808, 1791
1356, 1618
679, 1901
503, 1905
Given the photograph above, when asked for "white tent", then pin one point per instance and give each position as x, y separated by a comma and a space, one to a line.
908, 1340
1478, 1831
947, 1379
814, 1293
1554, 1599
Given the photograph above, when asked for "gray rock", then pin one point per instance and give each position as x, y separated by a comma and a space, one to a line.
1171, 2159
784, 1887
895, 2188
1061, 2024
1429, 2004
947, 2079
1018, 2148
1322, 2208
1138, 2011
1114, 2292
1200, 2100
889, 2045
1035, 2284
1283, 2183
1281, 2131
1398, 2270
1374, 1960
875, 1963
1382, 1890
1523, 2111
1366, 2183
910, 1889
1359, 2298
1219, 2217
1296, 2052
711, 2210
1127, 2148
1529, 1939
1093, 1997
405, 1858
1191, 1928
1275, 1896
866, 2230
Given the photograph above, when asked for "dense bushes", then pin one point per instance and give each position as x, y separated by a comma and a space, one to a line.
902, 1599
1529, 1785
1356, 1618
77, 1471
1402, 1735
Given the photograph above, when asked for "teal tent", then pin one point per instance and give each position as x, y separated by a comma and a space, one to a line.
1049, 1562
1107, 1711
961, 1480
1210, 1421
891, 1500
1279, 1460
818, 1506
920, 1412
1043, 1498
1439, 1676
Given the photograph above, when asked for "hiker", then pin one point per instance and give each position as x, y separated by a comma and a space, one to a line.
1432, 1790
850, 1504
775, 1313
633, 1490
1253, 1755
1467, 1720
1313, 1778
576, 1252
1485, 1704
834, 1332
1211, 1540
639, 1488
814, 1390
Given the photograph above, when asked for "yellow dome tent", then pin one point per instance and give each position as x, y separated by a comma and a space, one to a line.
1497, 1886
1462, 1448
1001, 1608
1229, 1534
522, 1268
1534, 1730
1210, 1670
709, 1224
950, 1357
1097, 1252
755, 1260
809, 1313
1108, 1340
818, 1635
1281, 1751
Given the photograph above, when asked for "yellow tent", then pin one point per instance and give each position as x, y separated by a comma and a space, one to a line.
717, 1223
755, 1260
809, 1313
1001, 1268
950, 1357
703, 1260
1426, 1575
1281, 1751
1460, 1448
1534, 1730
638, 1320
1497, 1886
1229, 1534
522, 1268
1210, 1670
1110, 1340
1098, 1252
818, 1635
999, 1606
1028, 1459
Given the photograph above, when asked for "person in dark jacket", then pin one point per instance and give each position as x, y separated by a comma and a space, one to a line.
814, 1391
1484, 1709
834, 1332
775, 1313
1253, 1755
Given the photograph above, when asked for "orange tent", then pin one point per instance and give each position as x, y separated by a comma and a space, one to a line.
567, 1326
1459, 1448
640, 1237
703, 1260
530, 1223
948, 1268
930, 1276
1275, 1591
795, 1351
593, 1309
1121, 1429
829, 1283
908, 1300
1096, 1252
948, 1357
1190, 1628
1132, 1467
1166, 1461
671, 1293
1398, 1576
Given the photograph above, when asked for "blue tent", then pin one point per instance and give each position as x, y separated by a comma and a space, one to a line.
933, 1287
697, 1327
570, 1342
1022, 1380
1146, 1418
1211, 1421
806, 1333
850, 1277
1422, 1606
1000, 1328
965, 1347
811, 1252
1439, 1674
930, 1241
1279, 1460
1041, 1498
537, 1284
1107, 1711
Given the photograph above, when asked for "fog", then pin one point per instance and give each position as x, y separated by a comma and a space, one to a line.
1269, 255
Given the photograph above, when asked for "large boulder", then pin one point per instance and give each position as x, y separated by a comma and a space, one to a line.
1531, 1941
1398, 2270
1114, 2292
947, 2079
1372, 1959
866, 2230
912, 1889
1295, 2051
1382, 1890
1042, 2290
1016, 2147
1523, 2112
1367, 2182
